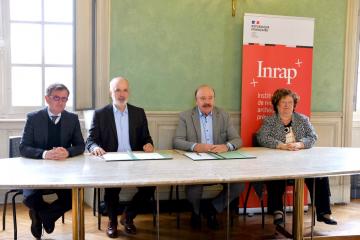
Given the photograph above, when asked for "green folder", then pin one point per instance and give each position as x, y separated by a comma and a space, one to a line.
235, 155
218, 156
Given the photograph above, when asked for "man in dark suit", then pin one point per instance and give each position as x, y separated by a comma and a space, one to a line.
52, 134
120, 127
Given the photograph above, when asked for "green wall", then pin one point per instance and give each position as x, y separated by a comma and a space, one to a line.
166, 48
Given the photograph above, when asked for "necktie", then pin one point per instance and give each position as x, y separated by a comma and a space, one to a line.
53, 118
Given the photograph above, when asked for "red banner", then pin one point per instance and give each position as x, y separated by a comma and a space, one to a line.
277, 53
265, 69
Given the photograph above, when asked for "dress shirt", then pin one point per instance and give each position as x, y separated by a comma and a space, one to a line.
206, 126
122, 129
56, 122
51, 114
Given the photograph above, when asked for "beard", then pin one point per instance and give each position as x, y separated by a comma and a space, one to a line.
120, 102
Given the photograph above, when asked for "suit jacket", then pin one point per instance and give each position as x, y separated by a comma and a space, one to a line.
102, 132
272, 131
188, 131
35, 136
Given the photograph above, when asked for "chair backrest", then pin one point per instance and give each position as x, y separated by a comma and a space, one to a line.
255, 142
14, 143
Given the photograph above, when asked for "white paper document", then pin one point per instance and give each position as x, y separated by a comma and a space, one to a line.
218, 156
117, 156
199, 156
133, 156
148, 156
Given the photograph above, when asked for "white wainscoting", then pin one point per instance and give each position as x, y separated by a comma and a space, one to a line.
162, 127
356, 134
328, 127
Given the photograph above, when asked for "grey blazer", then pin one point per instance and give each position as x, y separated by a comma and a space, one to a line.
188, 131
272, 131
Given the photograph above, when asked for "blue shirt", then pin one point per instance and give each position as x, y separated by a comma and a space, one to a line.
122, 129
206, 128
206, 125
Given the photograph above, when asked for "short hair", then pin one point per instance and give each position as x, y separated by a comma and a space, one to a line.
201, 86
279, 94
118, 78
56, 87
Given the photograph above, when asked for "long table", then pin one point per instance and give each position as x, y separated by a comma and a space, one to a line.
88, 171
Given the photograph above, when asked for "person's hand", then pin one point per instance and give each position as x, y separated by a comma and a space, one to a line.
295, 146
202, 147
98, 151
58, 153
148, 147
219, 148
291, 146
282, 146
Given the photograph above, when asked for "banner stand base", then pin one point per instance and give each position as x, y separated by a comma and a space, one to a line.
255, 210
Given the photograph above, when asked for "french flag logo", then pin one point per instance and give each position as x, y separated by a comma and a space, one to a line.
255, 22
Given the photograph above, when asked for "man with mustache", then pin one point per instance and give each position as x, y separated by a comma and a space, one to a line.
207, 128
121, 127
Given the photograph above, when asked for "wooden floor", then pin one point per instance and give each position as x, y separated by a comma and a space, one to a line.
348, 217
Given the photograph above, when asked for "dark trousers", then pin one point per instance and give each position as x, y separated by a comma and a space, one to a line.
276, 189
140, 199
49, 212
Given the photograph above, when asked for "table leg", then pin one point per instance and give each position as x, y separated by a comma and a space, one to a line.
298, 216
313, 210
157, 213
228, 212
78, 214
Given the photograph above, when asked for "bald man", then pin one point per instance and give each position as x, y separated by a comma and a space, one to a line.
121, 127
206, 128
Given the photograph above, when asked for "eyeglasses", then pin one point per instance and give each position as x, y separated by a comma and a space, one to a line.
57, 98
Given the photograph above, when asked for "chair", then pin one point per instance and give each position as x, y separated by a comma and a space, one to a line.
101, 210
291, 182
96, 206
177, 203
233, 205
259, 189
14, 143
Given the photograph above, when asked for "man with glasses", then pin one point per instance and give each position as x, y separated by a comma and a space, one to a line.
52, 134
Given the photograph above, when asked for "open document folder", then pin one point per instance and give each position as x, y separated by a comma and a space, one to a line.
216, 156
129, 156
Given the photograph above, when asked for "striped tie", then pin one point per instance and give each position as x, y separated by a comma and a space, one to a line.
53, 119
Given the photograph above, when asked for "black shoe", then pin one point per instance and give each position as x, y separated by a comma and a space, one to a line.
210, 214
128, 224
36, 228
195, 221
111, 230
278, 218
326, 219
212, 222
49, 226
